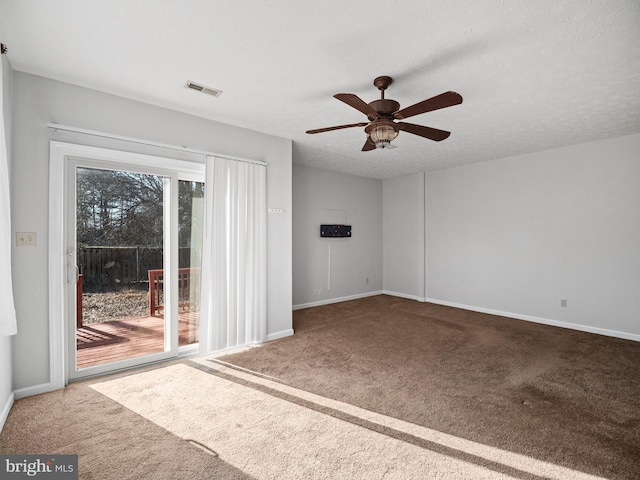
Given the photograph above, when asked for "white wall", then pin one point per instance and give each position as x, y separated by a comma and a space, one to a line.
403, 238
516, 235
6, 362
321, 196
38, 101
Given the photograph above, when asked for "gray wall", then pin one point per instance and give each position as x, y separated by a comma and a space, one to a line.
321, 196
6, 363
519, 234
516, 235
404, 229
38, 101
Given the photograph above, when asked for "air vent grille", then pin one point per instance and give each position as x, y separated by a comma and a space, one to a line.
201, 88
195, 86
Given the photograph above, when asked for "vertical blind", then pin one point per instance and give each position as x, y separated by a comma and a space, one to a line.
234, 292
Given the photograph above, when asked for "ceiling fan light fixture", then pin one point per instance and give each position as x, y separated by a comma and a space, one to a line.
382, 135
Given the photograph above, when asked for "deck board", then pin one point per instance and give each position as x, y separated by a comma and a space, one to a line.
106, 342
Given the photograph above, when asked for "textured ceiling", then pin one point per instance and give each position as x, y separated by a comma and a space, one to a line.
534, 75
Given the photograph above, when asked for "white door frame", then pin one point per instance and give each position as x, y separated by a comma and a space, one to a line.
60, 155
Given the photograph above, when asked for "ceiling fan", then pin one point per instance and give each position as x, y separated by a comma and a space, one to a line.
381, 128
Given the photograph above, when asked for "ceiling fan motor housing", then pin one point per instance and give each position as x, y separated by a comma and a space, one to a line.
385, 107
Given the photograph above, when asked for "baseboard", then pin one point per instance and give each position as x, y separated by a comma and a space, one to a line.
403, 295
329, 301
5, 410
31, 391
544, 321
281, 334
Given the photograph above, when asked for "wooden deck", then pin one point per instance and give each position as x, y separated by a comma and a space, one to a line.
107, 342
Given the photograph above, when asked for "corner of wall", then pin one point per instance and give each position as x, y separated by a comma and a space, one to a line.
329, 270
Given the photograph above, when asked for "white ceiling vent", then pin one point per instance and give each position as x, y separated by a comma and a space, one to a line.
203, 89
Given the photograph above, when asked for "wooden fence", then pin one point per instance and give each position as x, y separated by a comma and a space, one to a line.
123, 266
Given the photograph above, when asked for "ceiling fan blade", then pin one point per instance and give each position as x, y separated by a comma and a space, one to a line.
328, 129
357, 103
444, 100
368, 146
426, 132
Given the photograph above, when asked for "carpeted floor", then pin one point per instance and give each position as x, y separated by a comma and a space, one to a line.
111, 441
562, 396
380, 387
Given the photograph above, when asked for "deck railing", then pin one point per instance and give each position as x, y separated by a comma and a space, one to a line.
188, 290
79, 301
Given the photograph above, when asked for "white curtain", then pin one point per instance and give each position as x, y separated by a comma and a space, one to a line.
234, 290
8, 324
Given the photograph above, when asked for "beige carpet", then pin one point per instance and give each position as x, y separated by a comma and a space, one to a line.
272, 431
111, 441
374, 388
561, 396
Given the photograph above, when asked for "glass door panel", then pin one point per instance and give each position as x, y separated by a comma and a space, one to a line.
120, 230
190, 231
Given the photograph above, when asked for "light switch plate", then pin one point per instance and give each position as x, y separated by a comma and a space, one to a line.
25, 239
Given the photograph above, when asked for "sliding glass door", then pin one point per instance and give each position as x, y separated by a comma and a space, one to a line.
134, 248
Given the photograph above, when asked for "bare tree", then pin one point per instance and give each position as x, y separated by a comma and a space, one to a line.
119, 208
125, 210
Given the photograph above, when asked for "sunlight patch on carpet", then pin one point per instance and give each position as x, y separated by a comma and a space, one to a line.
270, 430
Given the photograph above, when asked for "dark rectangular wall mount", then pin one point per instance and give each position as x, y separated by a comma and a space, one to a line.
335, 231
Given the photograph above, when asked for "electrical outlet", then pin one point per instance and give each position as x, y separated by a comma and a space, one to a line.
367, 280
25, 239
563, 302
